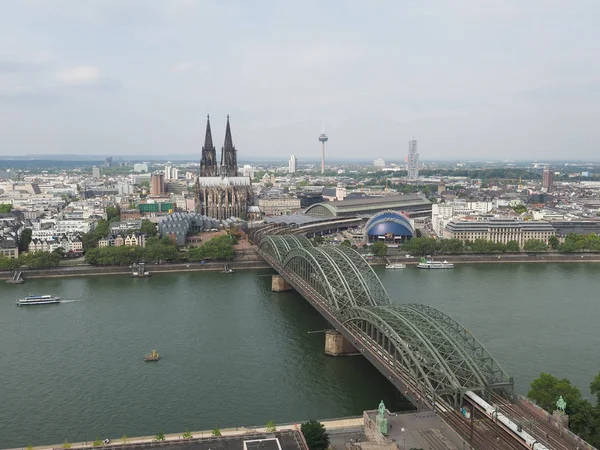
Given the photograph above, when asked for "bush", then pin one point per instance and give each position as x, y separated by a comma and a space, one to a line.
315, 435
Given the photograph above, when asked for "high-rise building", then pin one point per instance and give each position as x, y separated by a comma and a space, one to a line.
96, 172
379, 163
157, 186
220, 192
140, 167
168, 172
174, 173
413, 160
322, 139
548, 179
292, 164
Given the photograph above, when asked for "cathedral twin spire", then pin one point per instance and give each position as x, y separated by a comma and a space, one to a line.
208, 164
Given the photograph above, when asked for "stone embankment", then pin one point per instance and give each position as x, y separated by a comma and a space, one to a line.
501, 258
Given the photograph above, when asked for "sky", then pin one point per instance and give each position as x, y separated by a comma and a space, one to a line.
493, 79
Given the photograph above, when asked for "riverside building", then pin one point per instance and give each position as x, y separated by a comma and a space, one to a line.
499, 229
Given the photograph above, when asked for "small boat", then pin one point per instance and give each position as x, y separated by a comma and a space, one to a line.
431, 264
38, 300
395, 266
154, 356
140, 271
227, 269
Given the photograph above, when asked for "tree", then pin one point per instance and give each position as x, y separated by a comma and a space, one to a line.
270, 428
346, 243
317, 239
315, 435
546, 390
513, 247
216, 432
98, 442
187, 435
378, 248
24, 240
418, 233
520, 209
148, 227
595, 389
553, 242
124, 439
112, 212
5, 208
535, 245
160, 437
66, 444
30, 447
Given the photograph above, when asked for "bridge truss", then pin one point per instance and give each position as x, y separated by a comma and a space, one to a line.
435, 356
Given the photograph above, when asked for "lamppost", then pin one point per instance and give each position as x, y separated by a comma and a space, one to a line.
402, 430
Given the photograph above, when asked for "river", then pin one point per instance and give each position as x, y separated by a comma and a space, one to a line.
234, 353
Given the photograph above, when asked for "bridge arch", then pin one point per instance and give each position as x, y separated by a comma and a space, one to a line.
277, 246
420, 347
334, 273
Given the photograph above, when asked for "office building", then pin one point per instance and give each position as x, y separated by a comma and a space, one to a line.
96, 172
292, 164
379, 163
157, 186
413, 160
548, 179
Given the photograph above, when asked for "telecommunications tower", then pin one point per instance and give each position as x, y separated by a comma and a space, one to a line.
323, 138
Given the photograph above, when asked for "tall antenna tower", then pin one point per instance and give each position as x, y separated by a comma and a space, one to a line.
323, 138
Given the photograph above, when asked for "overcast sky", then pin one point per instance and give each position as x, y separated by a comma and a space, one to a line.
491, 79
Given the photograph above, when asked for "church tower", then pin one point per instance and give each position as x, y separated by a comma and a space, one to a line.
229, 167
208, 164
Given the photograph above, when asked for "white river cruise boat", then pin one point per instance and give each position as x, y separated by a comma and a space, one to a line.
395, 266
431, 264
38, 300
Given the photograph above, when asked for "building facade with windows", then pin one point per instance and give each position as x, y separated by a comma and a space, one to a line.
499, 230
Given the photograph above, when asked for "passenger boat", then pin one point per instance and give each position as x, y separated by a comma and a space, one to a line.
431, 264
152, 356
38, 300
395, 266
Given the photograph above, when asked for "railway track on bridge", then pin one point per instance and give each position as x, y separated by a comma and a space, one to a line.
434, 361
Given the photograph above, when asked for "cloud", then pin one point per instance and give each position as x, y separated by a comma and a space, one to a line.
79, 76
188, 67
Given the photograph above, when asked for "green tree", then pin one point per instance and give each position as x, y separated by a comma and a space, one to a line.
418, 233
30, 447
160, 437
553, 242
315, 434
66, 444
452, 246
535, 245
270, 428
546, 390
148, 227
219, 248
112, 212
24, 240
595, 389
124, 439
317, 239
5, 208
513, 247
216, 432
378, 248
98, 442
346, 243
187, 435
520, 209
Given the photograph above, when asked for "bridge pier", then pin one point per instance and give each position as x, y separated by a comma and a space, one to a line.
338, 345
278, 284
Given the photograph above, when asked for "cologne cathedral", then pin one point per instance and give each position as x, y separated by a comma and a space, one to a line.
220, 192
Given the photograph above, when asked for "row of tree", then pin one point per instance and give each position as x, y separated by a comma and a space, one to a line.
38, 260
427, 246
584, 416
219, 248
156, 250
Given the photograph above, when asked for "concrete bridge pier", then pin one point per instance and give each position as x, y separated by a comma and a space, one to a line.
278, 284
338, 345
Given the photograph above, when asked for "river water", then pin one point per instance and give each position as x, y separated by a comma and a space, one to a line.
234, 353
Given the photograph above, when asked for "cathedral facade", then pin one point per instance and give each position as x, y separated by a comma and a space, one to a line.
220, 192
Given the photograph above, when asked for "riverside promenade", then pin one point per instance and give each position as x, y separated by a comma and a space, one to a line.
349, 424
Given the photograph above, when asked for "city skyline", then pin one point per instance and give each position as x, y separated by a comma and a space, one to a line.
502, 80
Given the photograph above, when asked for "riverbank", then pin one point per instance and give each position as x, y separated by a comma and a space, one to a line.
504, 258
348, 424
253, 262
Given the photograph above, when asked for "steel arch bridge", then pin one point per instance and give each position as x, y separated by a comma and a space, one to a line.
423, 351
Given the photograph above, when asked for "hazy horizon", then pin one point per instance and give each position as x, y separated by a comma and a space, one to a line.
469, 80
